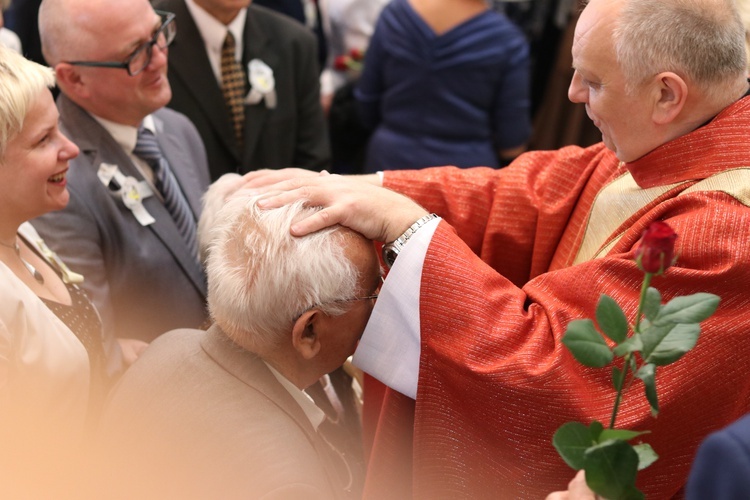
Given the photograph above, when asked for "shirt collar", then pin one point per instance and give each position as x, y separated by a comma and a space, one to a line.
214, 32
314, 414
125, 135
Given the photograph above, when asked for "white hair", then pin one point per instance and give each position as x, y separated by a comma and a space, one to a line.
261, 278
213, 199
702, 40
21, 82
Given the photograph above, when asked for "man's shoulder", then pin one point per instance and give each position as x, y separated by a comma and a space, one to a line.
173, 345
738, 431
173, 118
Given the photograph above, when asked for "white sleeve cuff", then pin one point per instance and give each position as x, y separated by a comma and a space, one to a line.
390, 346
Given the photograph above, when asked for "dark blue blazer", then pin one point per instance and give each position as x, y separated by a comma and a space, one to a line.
721, 470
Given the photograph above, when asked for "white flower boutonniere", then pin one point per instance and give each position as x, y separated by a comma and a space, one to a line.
130, 190
262, 83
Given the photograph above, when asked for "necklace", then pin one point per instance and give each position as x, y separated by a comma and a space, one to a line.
36, 274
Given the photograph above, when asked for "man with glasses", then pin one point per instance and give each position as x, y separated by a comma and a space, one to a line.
248, 78
129, 228
225, 408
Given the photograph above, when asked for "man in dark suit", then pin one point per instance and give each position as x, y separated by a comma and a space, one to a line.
128, 225
281, 127
225, 408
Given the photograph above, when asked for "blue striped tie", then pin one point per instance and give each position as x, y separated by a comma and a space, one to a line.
148, 149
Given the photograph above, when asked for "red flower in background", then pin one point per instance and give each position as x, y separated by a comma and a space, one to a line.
349, 62
656, 251
341, 63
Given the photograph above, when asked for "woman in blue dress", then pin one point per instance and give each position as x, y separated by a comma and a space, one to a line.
445, 82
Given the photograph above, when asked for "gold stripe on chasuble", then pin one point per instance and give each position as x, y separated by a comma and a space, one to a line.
622, 198
613, 205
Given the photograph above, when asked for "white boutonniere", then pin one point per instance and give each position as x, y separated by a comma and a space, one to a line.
130, 190
262, 84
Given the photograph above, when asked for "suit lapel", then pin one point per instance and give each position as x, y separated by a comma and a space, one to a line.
188, 59
256, 47
96, 143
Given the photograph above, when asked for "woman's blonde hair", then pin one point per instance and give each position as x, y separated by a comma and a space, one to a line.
21, 82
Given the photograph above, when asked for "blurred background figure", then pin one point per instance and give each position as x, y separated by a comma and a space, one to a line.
225, 409
445, 82
52, 378
349, 25
22, 18
7, 37
306, 12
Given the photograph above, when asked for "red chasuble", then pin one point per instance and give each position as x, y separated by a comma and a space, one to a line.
522, 252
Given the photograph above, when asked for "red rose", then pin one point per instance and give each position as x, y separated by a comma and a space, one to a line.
656, 252
341, 63
356, 54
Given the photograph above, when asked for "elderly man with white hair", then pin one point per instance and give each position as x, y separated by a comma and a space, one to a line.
225, 408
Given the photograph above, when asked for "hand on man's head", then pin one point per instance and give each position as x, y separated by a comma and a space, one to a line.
355, 202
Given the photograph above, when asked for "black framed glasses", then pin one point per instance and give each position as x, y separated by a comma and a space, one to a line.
141, 57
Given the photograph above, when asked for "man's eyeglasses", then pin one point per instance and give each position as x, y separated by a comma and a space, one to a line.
372, 297
140, 59
368, 297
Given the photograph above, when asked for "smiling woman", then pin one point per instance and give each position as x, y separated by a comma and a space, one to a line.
51, 371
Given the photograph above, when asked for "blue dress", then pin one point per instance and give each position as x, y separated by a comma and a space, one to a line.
450, 99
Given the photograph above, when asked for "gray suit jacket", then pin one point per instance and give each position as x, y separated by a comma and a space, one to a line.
142, 279
293, 134
197, 417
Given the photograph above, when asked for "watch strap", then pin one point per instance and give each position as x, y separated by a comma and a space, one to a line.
392, 249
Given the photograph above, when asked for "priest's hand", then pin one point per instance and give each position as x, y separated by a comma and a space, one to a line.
357, 202
266, 177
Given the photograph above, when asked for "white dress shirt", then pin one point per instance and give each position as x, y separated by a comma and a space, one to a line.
214, 33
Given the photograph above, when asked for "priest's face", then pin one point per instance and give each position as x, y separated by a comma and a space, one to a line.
622, 115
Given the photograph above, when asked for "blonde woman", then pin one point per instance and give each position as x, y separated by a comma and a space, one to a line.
50, 334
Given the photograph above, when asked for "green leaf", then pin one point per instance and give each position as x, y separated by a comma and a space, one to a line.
595, 428
611, 319
670, 343
688, 309
586, 344
647, 373
611, 468
623, 434
646, 455
652, 303
571, 440
616, 374
633, 344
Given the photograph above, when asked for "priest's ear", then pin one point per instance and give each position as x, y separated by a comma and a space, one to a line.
672, 92
305, 338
